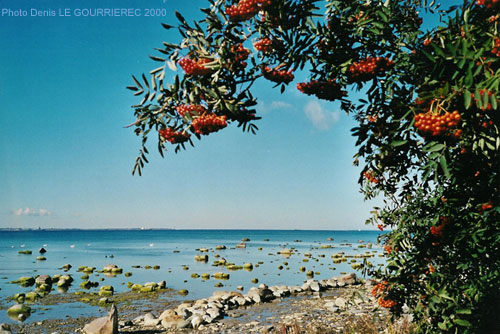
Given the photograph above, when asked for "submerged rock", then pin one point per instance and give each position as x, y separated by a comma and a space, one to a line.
104, 325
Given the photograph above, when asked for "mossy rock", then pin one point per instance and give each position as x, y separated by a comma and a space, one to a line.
305, 260
310, 273
136, 266
19, 309
317, 273
220, 247
248, 266
218, 285
103, 302
84, 277
280, 267
19, 297
146, 289
234, 267
136, 287
147, 267
105, 293
194, 275
85, 300
41, 258
302, 269
337, 260
255, 280
201, 258
25, 281
79, 293
185, 268
183, 292
44, 288
156, 267
116, 271
221, 275
128, 274
205, 276
25, 252
32, 296
88, 270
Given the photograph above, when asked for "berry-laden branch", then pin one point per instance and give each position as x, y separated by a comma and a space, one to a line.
427, 135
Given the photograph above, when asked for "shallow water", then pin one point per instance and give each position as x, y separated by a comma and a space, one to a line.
127, 248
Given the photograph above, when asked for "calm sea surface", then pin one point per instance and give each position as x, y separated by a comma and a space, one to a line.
173, 251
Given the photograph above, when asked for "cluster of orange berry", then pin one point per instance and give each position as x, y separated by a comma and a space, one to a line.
485, 206
241, 53
496, 49
278, 76
208, 123
370, 177
246, 9
437, 125
387, 303
190, 110
379, 288
192, 67
326, 90
174, 137
437, 231
369, 68
380, 227
388, 249
264, 45
487, 3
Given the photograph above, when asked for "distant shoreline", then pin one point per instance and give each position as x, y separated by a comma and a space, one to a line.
19, 229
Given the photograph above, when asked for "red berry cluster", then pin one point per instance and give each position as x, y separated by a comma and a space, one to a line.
208, 123
485, 206
191, 110
387, 303
496, 49
326, 90
379, 288
438, 125
246, 9
192, 67
437, 231
370, 177
388, 249
380, 227
264, 45
174, 137
369, 68
241, 53
487, 3
278, 76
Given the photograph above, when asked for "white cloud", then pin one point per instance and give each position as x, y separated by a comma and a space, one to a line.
264, 107
321, 118
31, 212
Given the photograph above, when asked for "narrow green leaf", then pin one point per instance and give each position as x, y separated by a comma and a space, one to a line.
444, 166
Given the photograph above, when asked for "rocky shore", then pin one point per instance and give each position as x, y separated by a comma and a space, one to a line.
326, 306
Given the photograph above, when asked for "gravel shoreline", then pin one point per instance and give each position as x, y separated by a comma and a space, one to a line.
326, 306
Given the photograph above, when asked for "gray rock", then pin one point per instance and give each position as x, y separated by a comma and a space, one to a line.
5, 327
196, 321
348, 279
43, 279
2, 331
162, 285
104, 325
314, 286
213, 313
150, 320
340, 302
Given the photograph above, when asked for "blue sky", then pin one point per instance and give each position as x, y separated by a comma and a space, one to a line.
66, 160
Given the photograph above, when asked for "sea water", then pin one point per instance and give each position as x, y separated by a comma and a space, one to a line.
173, 251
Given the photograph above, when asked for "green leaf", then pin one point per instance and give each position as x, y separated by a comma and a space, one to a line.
463, 311
433, 147
467, 99
396, 143
462, 322
444, 166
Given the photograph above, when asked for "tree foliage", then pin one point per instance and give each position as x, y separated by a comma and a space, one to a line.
427, 135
